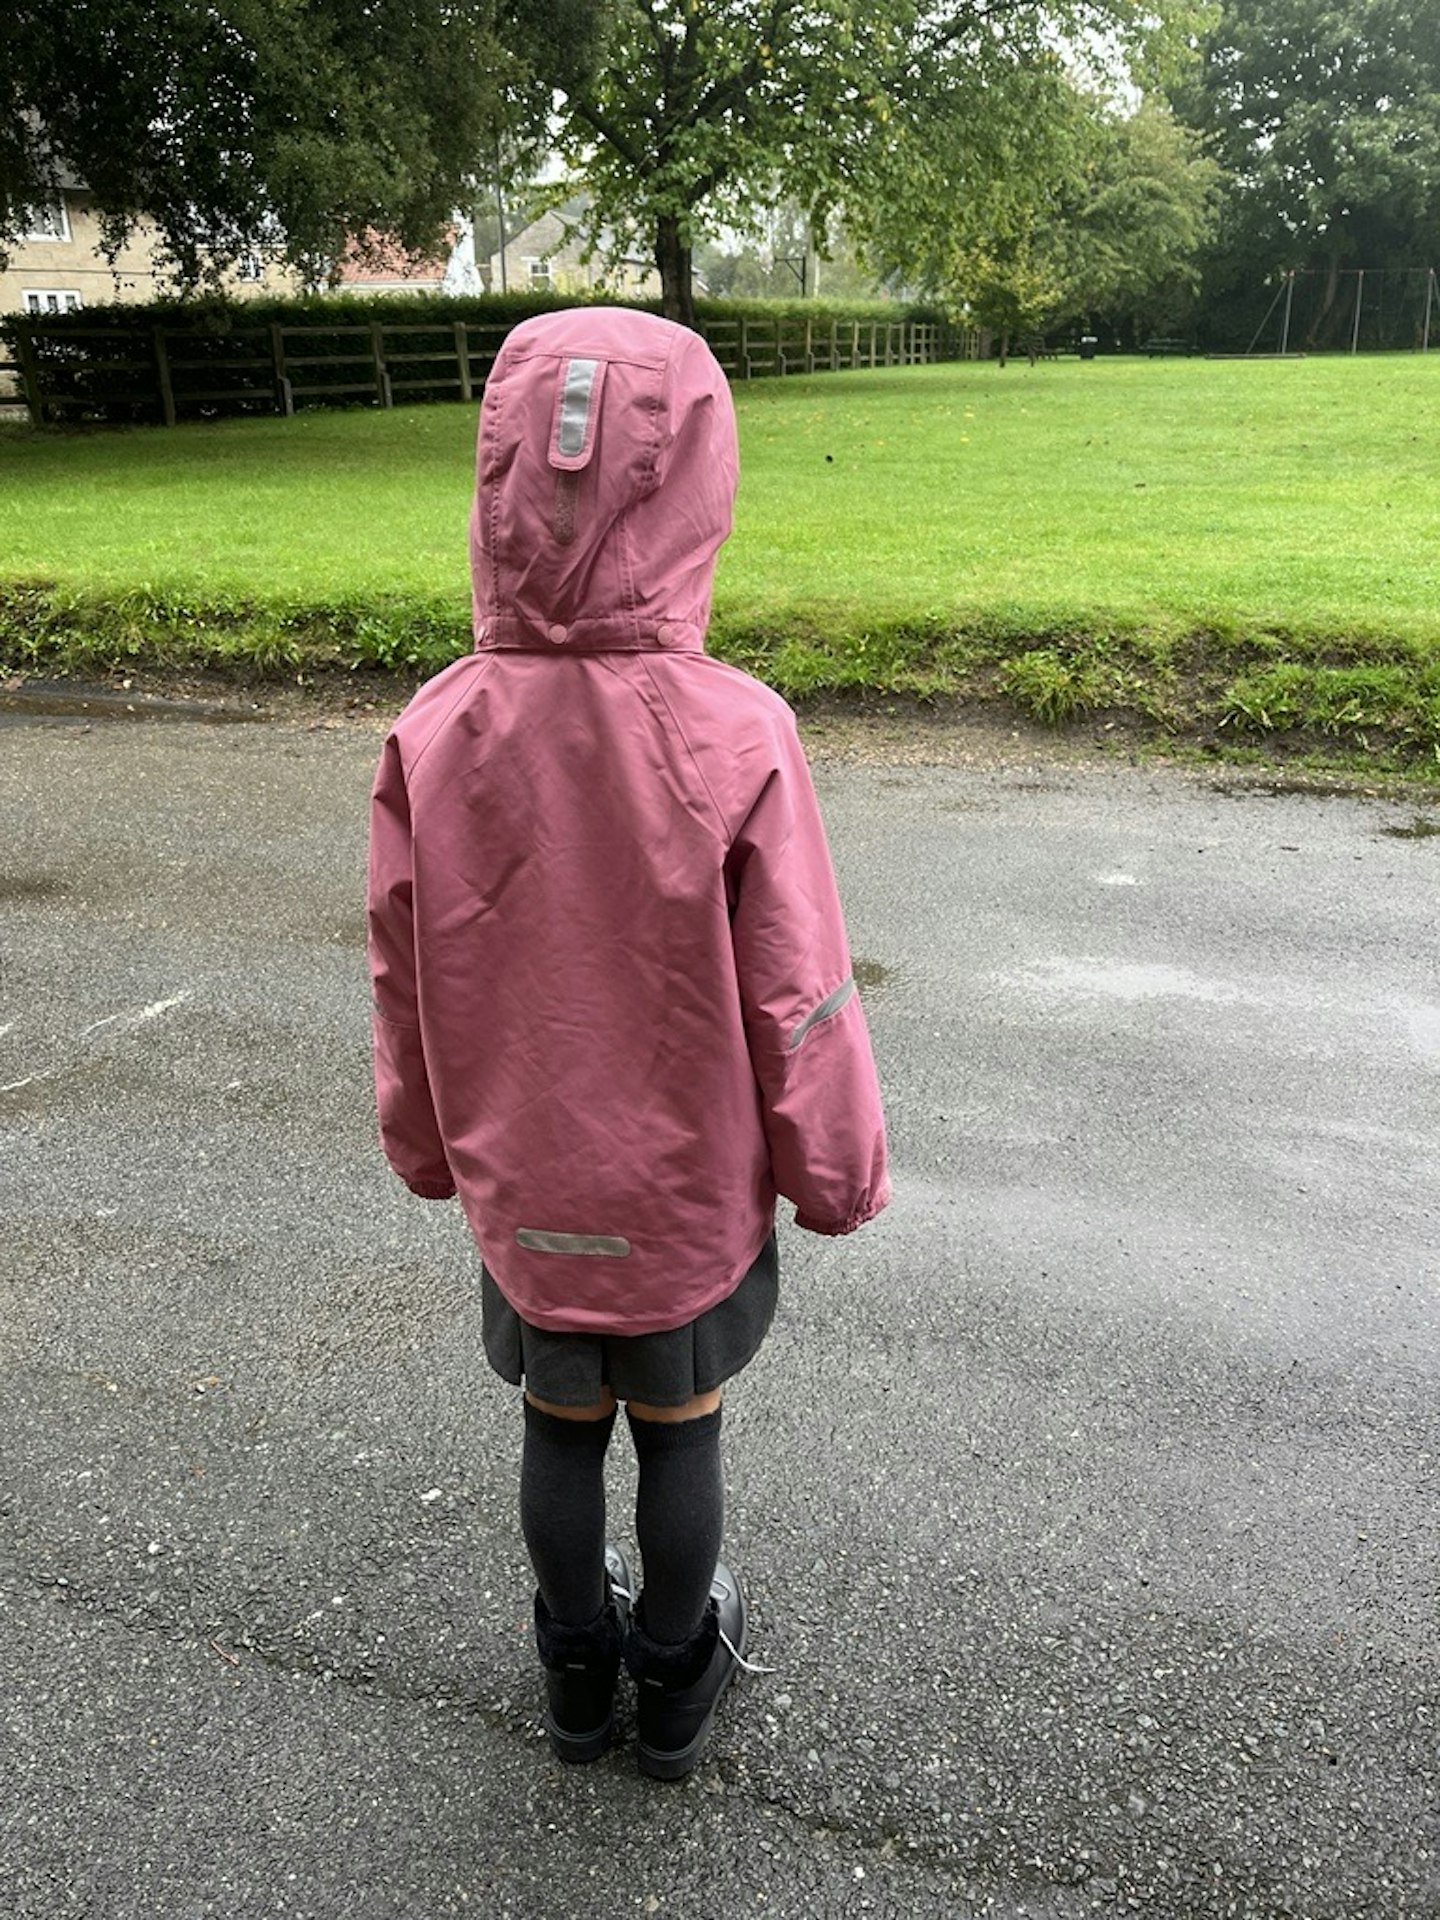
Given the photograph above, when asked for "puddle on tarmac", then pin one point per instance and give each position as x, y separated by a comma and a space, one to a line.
43, 703
1298, 787
1419, 829
30, 886
873, 975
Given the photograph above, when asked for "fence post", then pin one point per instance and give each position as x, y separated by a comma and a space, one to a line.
744, 368
284, 392
30, 374
462, 360
162, 370
382, 378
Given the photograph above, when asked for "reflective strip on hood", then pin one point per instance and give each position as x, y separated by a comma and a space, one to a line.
577, 409
607, 1245
832, 1003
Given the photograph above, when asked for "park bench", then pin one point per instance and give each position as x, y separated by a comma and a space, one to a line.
1156, 347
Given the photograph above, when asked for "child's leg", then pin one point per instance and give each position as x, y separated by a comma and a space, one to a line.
679, 1511
562, 1504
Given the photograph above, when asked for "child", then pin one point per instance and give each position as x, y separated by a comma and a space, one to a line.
614, 1009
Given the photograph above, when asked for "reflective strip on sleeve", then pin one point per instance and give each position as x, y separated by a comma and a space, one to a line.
832, 1003
608, 1246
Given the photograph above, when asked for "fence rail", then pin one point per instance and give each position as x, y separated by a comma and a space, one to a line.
164, 373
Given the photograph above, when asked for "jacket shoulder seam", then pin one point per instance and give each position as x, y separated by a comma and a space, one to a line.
484, 662
684, 739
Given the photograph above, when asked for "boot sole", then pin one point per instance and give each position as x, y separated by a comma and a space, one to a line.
575, 1749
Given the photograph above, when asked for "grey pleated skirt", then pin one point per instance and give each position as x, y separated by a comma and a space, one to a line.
658, 1369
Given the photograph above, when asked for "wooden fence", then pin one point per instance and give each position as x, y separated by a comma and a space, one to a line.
170, 373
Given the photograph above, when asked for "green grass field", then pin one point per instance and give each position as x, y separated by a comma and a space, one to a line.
1253, 544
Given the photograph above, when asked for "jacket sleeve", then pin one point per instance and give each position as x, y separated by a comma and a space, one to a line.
409, 1130
806, 1030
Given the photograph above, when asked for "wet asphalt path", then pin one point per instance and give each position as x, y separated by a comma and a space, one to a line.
1087, 1501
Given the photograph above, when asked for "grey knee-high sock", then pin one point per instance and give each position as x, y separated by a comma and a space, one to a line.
562, 1511
679, 1514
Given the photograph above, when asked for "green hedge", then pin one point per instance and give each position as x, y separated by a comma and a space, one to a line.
213, 345
484, 309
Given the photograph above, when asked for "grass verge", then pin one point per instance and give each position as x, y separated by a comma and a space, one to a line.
1241, 556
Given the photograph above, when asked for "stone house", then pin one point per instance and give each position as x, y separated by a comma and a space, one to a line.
547, 254
58, 267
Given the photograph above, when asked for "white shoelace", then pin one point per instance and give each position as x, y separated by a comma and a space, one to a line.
750, 1666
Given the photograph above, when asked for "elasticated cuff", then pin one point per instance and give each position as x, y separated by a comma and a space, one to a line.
432, 1189
848, 1225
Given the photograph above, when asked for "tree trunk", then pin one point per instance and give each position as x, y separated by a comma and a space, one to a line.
674, 259
1327, 302
1004, 345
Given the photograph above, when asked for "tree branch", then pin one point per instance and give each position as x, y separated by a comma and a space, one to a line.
585, 110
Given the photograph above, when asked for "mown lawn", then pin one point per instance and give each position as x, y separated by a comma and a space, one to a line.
1168, 536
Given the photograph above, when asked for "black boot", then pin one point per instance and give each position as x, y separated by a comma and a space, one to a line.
680, 1686
581, 1664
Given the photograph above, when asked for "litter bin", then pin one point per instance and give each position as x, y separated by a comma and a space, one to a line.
1088, 344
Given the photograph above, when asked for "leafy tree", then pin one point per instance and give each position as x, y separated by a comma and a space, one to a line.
964, 205
1139, 219
1327, 118
698, 110
1060, 207
236, 123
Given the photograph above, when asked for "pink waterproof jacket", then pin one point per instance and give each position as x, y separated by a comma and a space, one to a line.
614, 1008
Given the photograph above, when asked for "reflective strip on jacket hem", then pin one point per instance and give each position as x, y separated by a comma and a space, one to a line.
832, 1003
609, 1246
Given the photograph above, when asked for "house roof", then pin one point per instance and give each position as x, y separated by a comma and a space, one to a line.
378, 260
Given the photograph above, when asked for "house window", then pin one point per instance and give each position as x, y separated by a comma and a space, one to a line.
51, 300
250, 267
539, 272
48, 223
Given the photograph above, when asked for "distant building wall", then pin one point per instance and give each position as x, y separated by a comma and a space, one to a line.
546, 255
58, 266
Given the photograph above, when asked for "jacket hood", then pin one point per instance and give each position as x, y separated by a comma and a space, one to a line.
605, 485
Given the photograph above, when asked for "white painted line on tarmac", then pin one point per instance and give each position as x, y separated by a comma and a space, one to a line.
131, 1018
